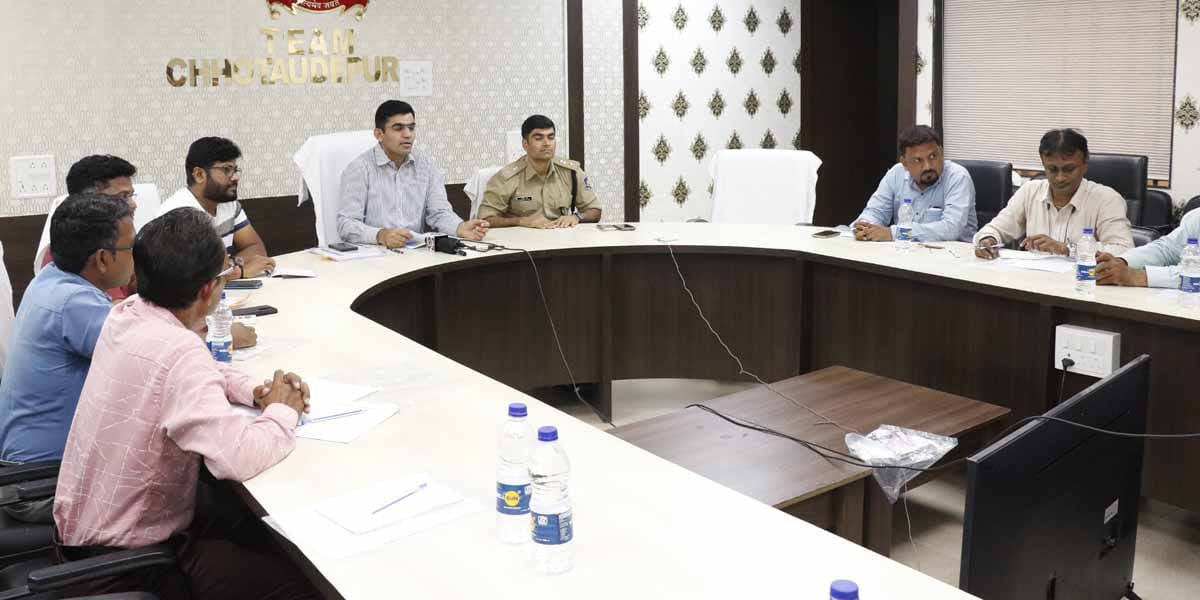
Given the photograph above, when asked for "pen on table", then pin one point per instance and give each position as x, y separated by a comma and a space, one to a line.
348, 413
407, 494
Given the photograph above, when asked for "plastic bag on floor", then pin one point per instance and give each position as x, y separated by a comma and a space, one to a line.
891, 445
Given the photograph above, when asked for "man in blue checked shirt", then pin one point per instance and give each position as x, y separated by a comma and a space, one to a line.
942, 193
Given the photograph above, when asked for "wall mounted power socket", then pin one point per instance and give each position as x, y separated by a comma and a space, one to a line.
1096, 353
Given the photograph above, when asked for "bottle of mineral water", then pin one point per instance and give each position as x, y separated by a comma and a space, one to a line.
1085, 263
550, 506
1189, 274
904, 225
220, 332
513, 485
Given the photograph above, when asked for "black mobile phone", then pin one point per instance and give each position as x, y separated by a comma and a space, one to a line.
255, 311
626, 227
828, 233
244, 284
615, 227
343, 247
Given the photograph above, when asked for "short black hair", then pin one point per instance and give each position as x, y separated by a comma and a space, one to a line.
175, 255
208, 151
535, 122
1063, 142
390, 109
83, 224
91, 172
915, 136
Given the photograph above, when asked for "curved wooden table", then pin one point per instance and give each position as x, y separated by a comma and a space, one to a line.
786, 302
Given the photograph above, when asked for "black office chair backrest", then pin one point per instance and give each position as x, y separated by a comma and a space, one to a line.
1126, 173
993, 186
1155, 211
1192, 204
1143, 235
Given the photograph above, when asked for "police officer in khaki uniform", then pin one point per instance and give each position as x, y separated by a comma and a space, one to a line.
539, 190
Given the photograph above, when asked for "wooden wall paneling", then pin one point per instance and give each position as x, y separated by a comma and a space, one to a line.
20, 236
956, 341
407, 308
749, 300
495, 322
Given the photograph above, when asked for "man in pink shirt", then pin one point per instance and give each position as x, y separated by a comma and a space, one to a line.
156, 406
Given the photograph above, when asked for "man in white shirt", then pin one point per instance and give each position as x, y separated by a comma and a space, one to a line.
212, 181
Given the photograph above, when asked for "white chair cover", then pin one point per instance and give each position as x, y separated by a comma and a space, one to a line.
321, 161
764, 186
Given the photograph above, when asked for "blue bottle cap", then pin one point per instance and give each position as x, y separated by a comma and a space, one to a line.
517, 409
908, 200
843, 589
1088, 231
222, 294
1193, 241
548, 433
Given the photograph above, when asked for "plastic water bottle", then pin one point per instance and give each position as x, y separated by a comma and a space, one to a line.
550, 506
220, 332
1085, 263
513, 486
904, 223
1189, 274
843, 589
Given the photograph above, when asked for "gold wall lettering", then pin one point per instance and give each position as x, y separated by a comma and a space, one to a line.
311, 58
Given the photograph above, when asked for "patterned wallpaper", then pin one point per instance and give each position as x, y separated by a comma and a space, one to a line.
91, 79
604, 109
1185, 153
926, 17
714, 74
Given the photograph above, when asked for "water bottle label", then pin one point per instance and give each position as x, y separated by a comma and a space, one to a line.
1189, 284
904, 234
552, 530
221, 352
1085, 272
512, 499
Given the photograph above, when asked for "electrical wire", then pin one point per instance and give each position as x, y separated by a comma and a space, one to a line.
549, 317
741, 368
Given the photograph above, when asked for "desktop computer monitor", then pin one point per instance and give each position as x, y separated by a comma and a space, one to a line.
1052, 509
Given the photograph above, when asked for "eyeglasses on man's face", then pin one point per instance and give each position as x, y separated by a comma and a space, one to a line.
228, 170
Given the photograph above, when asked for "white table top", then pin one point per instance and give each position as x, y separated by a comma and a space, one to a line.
644, 527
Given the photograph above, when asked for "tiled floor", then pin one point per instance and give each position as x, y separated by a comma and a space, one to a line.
1167, 562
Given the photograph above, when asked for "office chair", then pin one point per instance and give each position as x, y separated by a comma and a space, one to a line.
321, 161
1143, 235
993, 186
1125, 173
475, 187
764, 186
1154, 212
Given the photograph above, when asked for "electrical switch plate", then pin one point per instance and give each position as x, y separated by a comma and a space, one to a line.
1096, 353
32, 176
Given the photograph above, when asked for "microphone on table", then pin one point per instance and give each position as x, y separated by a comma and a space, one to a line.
441, 242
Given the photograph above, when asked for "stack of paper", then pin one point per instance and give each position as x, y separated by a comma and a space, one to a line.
336, 413
363, 520
292, 273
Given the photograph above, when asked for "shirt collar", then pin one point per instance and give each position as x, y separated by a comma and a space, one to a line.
531, 173
1080, 193
381, 157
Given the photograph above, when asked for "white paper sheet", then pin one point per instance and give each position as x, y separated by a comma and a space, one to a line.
380, 505
1061, 265
289, 272
362, 252
314, 532
345, 429
1007, 254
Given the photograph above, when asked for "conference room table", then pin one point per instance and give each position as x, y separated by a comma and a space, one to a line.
452, 340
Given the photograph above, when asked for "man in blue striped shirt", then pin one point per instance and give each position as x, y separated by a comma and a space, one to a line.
390, 193
942, 192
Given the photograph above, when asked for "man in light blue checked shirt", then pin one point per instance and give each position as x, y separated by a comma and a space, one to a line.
389, 193
943, 195
1154, 265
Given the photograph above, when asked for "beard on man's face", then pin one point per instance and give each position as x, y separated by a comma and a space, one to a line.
220, 192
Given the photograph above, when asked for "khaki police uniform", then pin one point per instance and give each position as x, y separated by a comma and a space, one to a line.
517, 190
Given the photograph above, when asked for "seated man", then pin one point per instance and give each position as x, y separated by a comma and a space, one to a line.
56, 328
1051, 213
155, 406
942, 193
108, 175
1152, 265
212, 182
390, 193
539, 190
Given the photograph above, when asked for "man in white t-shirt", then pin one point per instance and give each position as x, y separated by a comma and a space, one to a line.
212, 182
